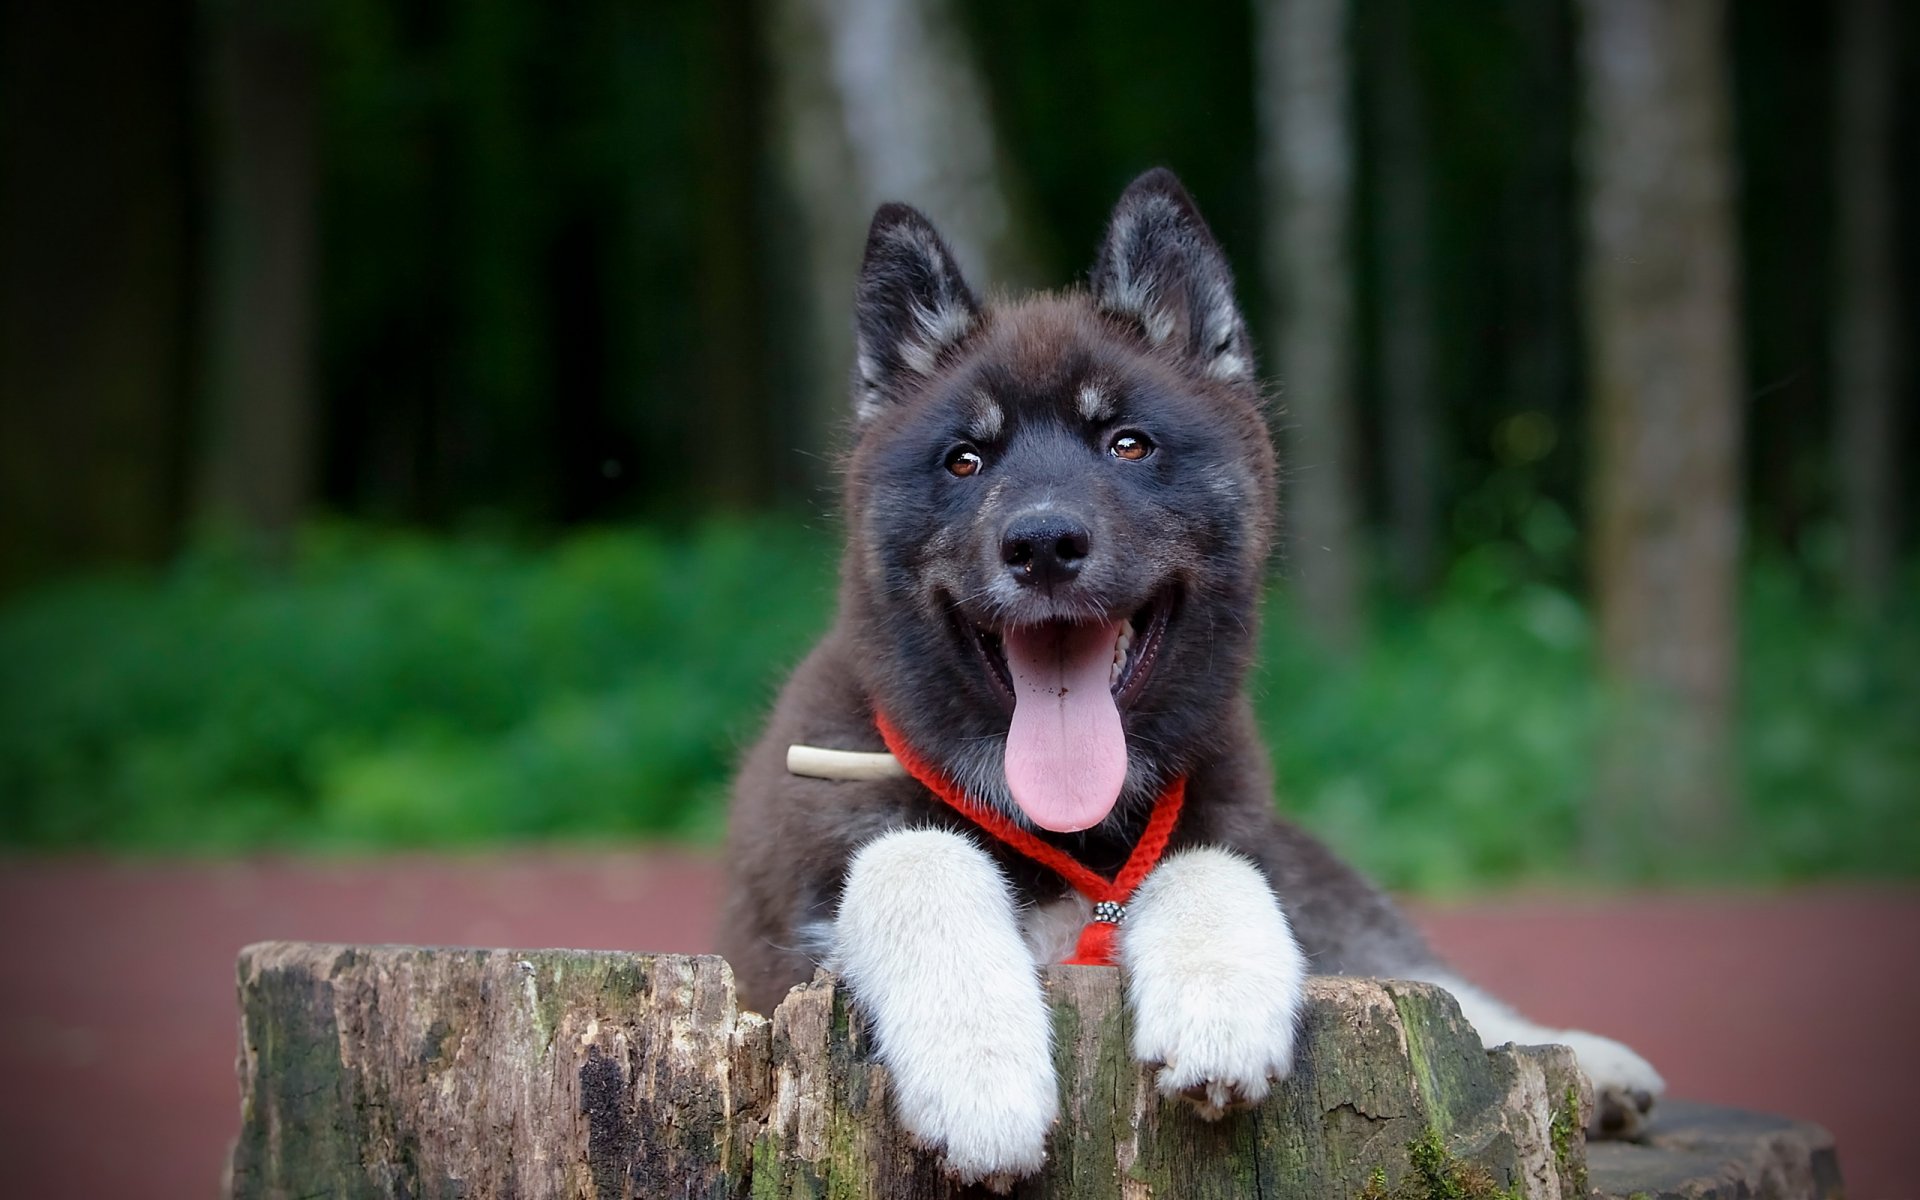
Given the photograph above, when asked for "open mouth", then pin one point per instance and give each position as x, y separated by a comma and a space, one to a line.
1064, 684
1136, 648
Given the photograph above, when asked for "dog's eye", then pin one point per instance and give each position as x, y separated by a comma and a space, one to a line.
963, 461
1131, 445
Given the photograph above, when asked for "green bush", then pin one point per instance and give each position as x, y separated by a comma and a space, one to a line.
386, 691
1831, 732
1458, 747
383, 691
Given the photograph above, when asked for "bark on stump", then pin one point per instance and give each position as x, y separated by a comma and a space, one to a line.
400, 1071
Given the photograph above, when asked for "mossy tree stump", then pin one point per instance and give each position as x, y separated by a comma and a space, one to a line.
397, 1071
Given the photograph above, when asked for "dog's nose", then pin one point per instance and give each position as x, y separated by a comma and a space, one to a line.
1045, 548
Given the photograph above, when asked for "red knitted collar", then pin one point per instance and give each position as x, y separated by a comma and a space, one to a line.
1109, 896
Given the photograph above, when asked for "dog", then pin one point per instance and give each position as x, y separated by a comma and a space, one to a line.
1059, 513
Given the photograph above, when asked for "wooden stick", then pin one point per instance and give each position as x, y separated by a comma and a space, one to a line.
851, 766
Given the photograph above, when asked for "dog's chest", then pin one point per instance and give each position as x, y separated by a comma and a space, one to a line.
1052, 930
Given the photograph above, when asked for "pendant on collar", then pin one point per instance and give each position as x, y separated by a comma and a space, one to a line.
1109, 896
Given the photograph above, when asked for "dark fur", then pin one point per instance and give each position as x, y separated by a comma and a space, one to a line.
1158, 333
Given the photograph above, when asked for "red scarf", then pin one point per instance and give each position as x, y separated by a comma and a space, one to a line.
1109, 896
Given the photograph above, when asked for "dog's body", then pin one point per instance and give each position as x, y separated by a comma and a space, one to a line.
1059, 515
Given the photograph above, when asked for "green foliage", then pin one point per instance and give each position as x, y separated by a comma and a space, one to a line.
385, 691
1458, 747
1455, 748
396, 691
1831, 733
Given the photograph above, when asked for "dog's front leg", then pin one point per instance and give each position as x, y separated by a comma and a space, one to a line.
928, 940
1215, 979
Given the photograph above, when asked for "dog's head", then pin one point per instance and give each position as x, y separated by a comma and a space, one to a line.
1059, 510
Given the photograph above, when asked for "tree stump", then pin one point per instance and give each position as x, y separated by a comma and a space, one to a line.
405, 1072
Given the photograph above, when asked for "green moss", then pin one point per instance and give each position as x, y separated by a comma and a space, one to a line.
840, 1032
1434, 1173
841, 1168
1413, 1016
1564, 1132
774, 1180
847, 1176
1449, 1067
300, 1086
1092, 1116
624, 978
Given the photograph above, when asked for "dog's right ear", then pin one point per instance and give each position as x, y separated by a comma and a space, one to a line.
1160, 268
910, 307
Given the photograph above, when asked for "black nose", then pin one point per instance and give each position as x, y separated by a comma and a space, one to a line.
1045, 548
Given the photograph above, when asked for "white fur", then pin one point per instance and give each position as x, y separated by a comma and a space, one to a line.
1228, 367
919, 357
1093, 403
870, 401
942, 325
1159, 324
1215, 978
1136, 298
1053, 930
929, 941
988, 421
1610, 1066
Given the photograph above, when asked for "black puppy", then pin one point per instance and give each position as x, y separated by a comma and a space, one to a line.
1059, 513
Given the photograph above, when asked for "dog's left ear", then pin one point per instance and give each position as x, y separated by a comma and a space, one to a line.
1160, 267
910, 306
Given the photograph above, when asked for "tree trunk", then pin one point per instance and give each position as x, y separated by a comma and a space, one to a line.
94, 283
879, 100
258, 438
1665, 388
1537, 221
1865, 351
1410, 429
1307, 175
736, 468
393, 1071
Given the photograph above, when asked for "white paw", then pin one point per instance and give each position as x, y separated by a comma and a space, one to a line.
984, 1110
1624, 1084
929, 942
1221, 1048
1215, 977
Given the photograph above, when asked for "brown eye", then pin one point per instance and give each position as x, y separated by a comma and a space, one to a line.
963, 461
1131, 445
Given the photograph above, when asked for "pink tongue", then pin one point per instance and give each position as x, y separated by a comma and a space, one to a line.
1066, 755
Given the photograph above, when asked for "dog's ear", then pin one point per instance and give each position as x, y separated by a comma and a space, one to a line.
910, 306
1161, 268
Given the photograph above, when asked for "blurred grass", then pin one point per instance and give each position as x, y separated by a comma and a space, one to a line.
383, 691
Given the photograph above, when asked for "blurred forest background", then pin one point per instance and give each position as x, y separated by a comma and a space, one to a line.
418, 420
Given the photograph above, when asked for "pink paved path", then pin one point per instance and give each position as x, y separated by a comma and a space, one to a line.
116, 990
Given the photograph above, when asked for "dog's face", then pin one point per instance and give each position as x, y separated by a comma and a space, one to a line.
1059, 511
